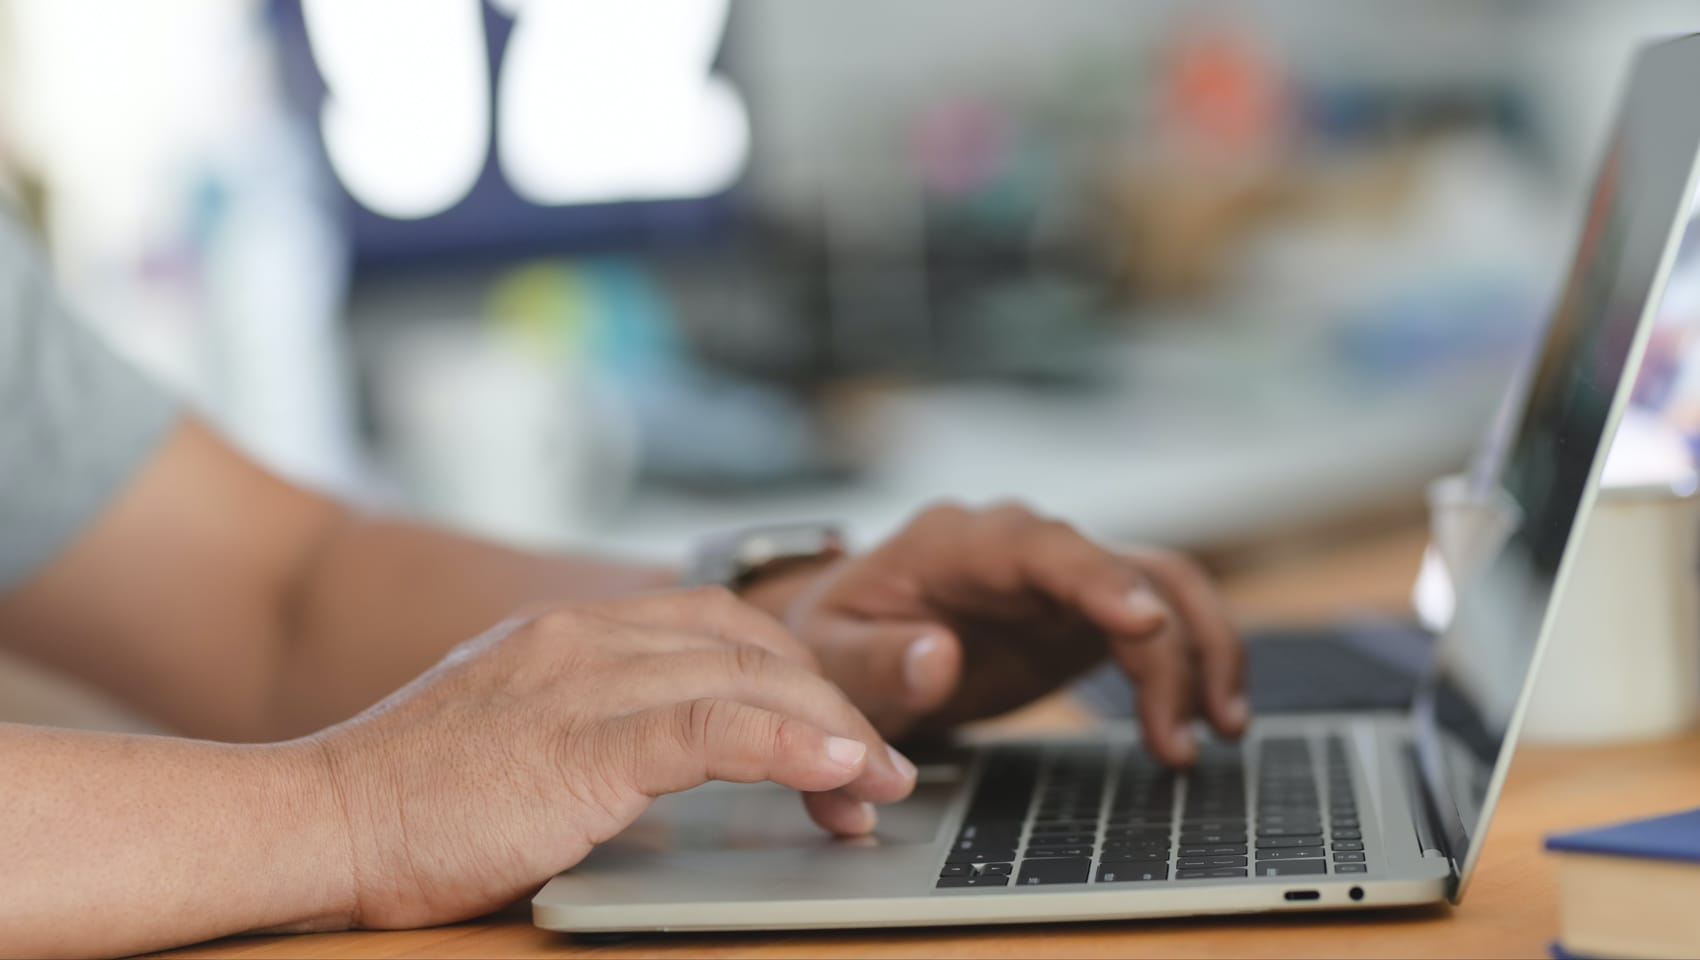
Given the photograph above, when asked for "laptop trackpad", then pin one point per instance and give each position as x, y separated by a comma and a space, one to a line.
735, 816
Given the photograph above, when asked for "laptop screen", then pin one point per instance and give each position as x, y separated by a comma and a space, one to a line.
1468, 708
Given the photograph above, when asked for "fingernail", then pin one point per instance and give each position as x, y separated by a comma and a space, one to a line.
1183, 742
914, 658
870, 817
1238, 712
1142, 604
901, 762
845, 752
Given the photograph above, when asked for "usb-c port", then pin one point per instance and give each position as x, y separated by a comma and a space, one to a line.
1303, 895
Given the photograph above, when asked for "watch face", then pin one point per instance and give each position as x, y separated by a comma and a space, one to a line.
729, 559
762, 547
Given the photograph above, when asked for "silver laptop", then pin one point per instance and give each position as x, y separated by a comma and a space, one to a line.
1308, 812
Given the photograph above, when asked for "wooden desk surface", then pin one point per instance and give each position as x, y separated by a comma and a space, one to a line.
1510, 909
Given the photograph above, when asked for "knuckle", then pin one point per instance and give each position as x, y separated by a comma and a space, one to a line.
1011, 512
641, 606
556, 637
580, 637
714, 597
942, 513
558, 622
1055, 535
1161, 651
804, 654
600, 769
748, 661
781, 737
1188, 568
696, 723
733, 612
1060, 529
1176, 562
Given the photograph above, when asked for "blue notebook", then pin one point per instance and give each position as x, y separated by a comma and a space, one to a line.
1672, 837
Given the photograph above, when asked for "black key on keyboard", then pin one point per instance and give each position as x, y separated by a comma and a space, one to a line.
1219, 873
991, 829
1122, 852
1268, 811
994, 833
1348, 845
1037, 839
974, 882
1277, 843
1287, 824
1211, 837
993, 821
1006, 787
1291, 853
1034, 872
1348, 857
1219, 850
1205, 863
1067, 853
1137, 833
1133, 872
1002, 855
1289, 813
1146, 836
997, 841
1064, 826
1128, 808
1292, 868
1350, 868
1138, 840
1289, 828
1226, 826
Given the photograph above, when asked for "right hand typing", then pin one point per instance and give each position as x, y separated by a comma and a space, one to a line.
527, 746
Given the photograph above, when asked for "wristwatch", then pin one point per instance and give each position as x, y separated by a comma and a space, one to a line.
734, 558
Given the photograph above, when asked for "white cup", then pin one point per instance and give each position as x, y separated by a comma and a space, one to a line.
499, 440
1624, 658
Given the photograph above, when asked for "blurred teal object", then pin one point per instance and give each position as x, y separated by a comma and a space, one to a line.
696, 426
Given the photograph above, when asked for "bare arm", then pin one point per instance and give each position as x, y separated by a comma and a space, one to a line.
118, 844
233, 605
464, 791
236, 606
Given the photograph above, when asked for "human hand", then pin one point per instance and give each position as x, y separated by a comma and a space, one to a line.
969, 613
527, 746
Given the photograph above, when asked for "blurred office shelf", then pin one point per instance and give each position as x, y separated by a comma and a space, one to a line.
1169, 457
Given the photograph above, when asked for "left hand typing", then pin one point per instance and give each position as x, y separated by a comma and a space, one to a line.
969, 613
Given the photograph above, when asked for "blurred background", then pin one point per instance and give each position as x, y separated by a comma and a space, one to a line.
1237, 277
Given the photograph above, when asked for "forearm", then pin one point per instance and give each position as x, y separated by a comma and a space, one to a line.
118, 844
378, 601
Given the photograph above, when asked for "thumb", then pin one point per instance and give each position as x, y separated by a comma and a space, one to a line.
894, 671
682, 746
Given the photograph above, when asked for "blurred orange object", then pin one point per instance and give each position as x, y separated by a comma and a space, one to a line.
1222, 96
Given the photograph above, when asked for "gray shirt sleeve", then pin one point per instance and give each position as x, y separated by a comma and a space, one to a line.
76, 422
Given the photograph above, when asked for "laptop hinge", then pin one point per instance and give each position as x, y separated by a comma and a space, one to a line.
1431, 839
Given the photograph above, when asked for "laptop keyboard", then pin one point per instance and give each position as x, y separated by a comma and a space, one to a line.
1077, 813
